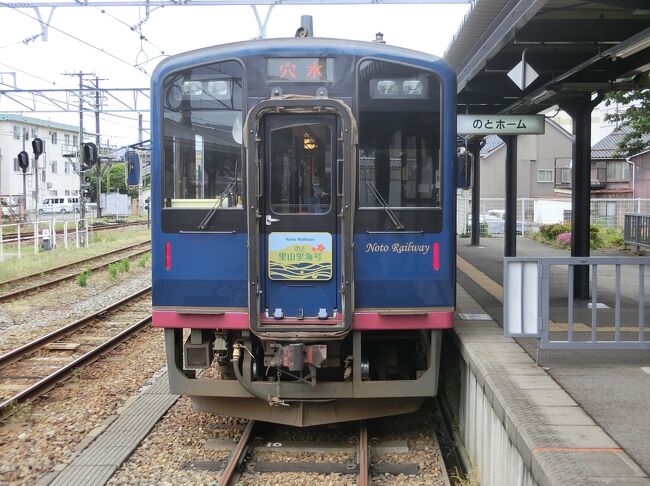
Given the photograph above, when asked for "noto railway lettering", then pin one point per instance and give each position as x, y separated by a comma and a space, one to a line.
398, 248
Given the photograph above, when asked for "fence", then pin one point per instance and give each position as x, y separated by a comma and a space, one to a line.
614, 318
637, 230
532, 213
19, 239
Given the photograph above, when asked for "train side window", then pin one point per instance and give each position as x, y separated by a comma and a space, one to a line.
202, 130
399, 136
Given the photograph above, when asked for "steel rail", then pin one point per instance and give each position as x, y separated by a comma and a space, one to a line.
29, 234
237, 455
51, 380
362, 459
28, 348
61, 267
57, 280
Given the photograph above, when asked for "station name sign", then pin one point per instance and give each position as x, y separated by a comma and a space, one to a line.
500, 124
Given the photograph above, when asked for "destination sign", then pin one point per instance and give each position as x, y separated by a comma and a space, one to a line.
300, 69
500, 124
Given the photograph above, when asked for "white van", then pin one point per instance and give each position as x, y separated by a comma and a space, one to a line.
65, 204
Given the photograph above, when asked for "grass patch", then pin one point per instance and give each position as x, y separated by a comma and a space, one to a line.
115, 268
82, 278
113, 271
124, 265
101, 242
144, 260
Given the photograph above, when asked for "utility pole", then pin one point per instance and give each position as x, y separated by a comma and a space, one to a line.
82, 206
36, 194
99, 160
140, 137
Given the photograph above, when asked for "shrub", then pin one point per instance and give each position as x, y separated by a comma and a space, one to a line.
552, 231
144, 259
564, 239
82, 278
124, 265
113, 270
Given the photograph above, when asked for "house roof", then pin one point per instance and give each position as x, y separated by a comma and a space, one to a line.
608, 146
492, 142
35, 121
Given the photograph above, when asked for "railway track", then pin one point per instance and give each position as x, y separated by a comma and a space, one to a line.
393, 453
33, 368
11, 289
12, 237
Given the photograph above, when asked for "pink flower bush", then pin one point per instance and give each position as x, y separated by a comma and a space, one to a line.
564, 239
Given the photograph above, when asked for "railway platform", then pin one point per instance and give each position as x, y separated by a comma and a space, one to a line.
580, 415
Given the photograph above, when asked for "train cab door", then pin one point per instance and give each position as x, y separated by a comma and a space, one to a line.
299, 233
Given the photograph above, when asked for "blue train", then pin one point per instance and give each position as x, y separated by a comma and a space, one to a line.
303, 196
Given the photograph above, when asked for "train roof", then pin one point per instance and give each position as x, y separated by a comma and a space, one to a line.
301, 46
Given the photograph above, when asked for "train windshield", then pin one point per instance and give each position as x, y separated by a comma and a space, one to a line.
203, 137
399, 136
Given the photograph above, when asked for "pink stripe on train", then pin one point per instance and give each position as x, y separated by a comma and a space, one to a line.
363, 321
227, 320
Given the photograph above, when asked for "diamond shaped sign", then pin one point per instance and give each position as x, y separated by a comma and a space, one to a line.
523, 76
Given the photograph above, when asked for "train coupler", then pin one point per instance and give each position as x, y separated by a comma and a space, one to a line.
296, 356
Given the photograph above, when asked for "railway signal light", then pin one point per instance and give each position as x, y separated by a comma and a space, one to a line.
90, 155
37, 147
132, 168
23, 160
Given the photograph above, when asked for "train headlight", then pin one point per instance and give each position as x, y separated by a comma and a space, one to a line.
193, 88
219, 89
413, 87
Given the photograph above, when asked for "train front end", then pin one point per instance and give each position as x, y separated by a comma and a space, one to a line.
303, 227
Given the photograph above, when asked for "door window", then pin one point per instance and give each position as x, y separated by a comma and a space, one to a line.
301, 169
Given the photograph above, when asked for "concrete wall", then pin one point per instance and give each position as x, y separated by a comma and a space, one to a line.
534, 152
517, 425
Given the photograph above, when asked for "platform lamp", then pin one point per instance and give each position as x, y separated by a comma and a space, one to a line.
37, 149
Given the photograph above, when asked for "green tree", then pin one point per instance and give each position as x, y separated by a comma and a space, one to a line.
112, 180
636, 116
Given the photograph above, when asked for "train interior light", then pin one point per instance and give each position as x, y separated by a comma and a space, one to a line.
219, 89
193, 88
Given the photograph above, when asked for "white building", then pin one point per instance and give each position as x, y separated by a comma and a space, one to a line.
56, 174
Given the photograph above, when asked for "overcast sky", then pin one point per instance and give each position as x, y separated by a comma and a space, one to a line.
170, 30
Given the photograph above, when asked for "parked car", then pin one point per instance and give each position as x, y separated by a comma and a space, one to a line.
495, 224
65, 204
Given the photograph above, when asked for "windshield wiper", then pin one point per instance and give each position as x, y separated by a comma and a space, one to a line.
203, 225
391, 214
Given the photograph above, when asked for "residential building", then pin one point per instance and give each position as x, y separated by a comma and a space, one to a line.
56, 175
611, 173
640, 169
538, 160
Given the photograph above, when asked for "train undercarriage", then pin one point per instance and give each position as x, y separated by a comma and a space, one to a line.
302, 383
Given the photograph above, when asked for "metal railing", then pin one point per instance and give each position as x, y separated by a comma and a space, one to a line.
636, 231
534, 212
19, 239
539, 302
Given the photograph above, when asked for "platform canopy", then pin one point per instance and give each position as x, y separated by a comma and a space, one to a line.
572, 46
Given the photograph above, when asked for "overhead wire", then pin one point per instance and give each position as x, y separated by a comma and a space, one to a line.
134, 28
27, 73
75, 38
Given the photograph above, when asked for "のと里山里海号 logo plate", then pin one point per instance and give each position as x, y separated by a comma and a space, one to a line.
300, 256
